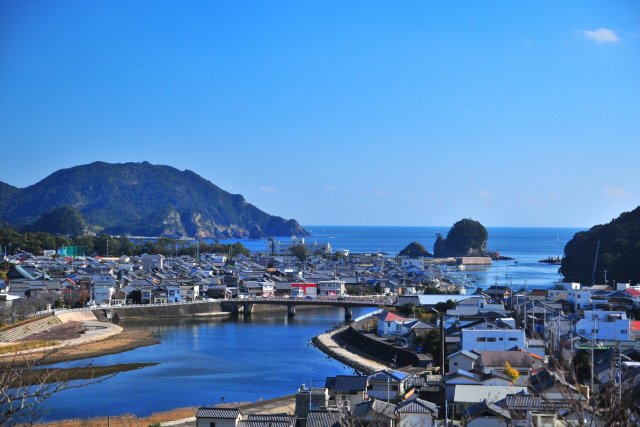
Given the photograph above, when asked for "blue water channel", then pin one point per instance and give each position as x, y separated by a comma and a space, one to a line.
203, 362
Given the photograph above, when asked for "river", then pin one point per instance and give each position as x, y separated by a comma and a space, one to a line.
204, 362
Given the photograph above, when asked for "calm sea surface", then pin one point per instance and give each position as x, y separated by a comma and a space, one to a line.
207, 361
527, 245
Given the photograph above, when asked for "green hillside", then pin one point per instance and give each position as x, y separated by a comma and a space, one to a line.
619, 252
144, 199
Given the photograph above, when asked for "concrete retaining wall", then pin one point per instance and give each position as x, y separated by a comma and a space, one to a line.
382, 351
177, 310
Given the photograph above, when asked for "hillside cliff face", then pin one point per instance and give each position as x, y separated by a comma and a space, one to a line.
466, 238
144, 199
619, 252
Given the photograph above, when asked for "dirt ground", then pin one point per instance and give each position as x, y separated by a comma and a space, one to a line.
124, 341
66, 331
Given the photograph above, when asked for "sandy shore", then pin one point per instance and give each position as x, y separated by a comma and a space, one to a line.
340, 351
112, 340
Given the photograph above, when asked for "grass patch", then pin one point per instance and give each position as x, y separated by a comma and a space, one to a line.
26, 345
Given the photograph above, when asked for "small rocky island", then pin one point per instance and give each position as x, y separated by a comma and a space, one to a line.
415, 250
467, 238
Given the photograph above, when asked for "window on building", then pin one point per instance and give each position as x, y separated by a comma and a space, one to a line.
481, 339
582, 331
513, 339
501, 339
212, 424
624, 331
491, 339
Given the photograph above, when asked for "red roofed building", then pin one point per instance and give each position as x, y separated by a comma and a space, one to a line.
389, 323
634, 295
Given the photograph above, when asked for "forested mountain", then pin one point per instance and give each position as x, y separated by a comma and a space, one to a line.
143, 199
619, 252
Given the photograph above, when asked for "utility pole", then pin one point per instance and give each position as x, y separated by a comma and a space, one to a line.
593, 344
442, 344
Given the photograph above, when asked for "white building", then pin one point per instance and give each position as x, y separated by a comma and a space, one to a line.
561, 290
492, 339
152, 262
102, 288
580, 298
604, 325
331, 288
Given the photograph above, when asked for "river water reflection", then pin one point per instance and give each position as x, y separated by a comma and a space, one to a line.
204, 362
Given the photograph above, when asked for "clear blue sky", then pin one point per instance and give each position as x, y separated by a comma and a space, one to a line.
513, 113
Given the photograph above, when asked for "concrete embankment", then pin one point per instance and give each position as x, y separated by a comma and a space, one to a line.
328, 345
354, 347
157, 311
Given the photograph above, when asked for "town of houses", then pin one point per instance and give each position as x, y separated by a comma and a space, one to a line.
509, 353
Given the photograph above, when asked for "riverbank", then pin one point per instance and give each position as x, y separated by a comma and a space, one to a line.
180, 417
330, 344
124, 340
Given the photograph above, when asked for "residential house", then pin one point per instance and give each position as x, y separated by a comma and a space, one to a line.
388, 385
467, 395
152, 262
604, 325
217, 417
347, 390
520, 360
375, 413
492, 339
103, 287
416, 412
486, 414
389, 323
463, 359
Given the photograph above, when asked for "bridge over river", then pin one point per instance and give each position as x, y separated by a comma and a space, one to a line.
245, 305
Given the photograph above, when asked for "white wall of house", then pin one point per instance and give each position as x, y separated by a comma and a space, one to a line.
487, 421
412, 420
604, 325
460, 361
581, 299
492, 339
207, 422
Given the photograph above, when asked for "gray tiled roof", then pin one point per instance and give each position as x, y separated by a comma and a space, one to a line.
323, 419
417, 406
482, 407
270, 417
349, 383
221, 413
527, 401
375, 406
265, 423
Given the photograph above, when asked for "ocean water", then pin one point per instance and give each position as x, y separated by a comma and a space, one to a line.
527, 245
